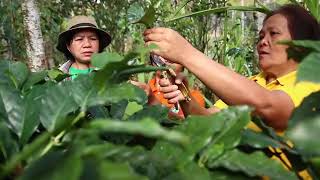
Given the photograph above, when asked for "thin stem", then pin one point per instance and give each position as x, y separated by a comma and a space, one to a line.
34, 147
26, 152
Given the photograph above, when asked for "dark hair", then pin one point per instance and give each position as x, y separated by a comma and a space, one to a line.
301, 24
67, 54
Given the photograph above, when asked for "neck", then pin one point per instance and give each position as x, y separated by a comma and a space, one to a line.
288, 67
79, 65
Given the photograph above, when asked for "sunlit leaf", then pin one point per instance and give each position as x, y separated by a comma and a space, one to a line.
132, 108
57, 75
146, 127
101, 59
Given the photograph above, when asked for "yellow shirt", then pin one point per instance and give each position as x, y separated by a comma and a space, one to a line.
287, 84
296, 91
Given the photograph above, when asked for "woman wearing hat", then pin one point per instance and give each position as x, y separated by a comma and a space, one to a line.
81, 39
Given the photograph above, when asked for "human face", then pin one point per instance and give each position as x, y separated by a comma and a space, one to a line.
273, 58
83, 44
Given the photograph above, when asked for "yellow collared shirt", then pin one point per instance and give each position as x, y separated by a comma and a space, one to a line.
296, 91
287, 84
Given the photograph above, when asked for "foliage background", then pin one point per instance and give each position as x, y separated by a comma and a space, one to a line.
226, 37
36, 133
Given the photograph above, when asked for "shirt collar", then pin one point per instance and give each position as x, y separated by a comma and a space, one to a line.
283, 80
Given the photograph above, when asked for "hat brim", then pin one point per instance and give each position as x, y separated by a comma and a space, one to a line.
104, 38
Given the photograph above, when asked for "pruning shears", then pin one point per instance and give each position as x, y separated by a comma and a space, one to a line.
169, 74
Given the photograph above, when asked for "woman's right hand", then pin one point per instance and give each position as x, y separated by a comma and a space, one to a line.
171, 91
172, 46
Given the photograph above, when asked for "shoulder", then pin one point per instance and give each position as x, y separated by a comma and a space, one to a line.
65, 66
300, 90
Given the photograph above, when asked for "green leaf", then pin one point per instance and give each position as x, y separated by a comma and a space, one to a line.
55, 166
307, 111
267, 130
148, 18
312, 45
57, 103
259, 140
112, 170
18, 72
34, 78
235, 119
125, 74
12, 109
146, 127
32, 104
255, 164
8, 144
57, 74
86, 94
211, 153
189, 172
314, 8
157, 112
4, 66
118, 109
101, 59
135, 12
125, 91
99, 111
111, 69
200, 129
308, 68
304, 125
223, 174
132, 108
117, 153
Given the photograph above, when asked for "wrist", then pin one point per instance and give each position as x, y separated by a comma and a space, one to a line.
190, 56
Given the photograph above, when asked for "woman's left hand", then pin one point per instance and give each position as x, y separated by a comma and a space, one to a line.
171, 91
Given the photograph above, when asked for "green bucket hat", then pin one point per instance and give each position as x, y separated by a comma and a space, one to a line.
81, 22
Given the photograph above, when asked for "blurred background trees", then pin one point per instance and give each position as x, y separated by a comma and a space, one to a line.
228, 37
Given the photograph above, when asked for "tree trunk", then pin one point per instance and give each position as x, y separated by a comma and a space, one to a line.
34, 39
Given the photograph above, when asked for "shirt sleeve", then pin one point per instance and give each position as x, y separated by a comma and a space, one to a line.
220, 104
300, 90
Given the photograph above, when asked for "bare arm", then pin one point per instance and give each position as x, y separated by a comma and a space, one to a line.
274, 106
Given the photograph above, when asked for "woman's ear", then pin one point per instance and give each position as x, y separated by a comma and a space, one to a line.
68, 47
